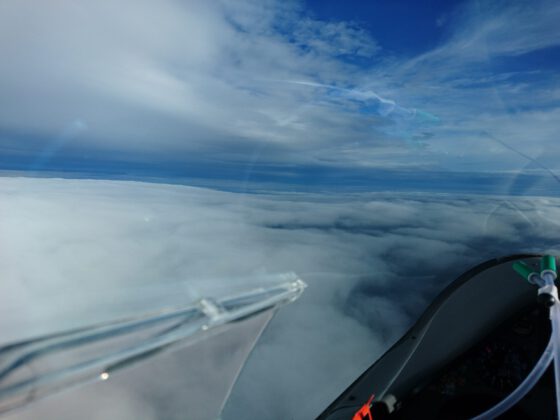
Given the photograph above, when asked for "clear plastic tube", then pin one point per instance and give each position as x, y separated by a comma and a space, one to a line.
523, 388
555, 318
552, 351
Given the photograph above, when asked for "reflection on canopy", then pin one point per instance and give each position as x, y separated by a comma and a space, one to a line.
37, 367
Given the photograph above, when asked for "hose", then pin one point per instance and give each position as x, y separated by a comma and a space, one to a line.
555, 318
525, 386
548, 295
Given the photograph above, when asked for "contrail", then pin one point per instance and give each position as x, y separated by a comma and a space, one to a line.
353, 93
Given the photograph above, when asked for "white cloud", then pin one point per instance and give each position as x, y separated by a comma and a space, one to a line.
503, 28
334, 38
177, 80
160, 77
77, 250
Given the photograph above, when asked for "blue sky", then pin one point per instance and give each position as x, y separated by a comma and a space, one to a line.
401, 27
283, 93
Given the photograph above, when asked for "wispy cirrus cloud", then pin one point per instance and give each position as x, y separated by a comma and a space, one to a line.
174, 81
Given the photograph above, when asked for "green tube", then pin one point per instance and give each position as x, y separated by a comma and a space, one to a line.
548, 262
523, 269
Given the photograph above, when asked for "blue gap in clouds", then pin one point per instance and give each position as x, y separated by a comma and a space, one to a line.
538, 69
19, 156
544, 60
259, 177
401, 27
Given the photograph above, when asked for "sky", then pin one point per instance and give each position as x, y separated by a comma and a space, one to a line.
281, 92
167, 146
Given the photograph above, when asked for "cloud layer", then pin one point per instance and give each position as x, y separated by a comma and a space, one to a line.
77, 250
